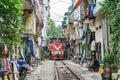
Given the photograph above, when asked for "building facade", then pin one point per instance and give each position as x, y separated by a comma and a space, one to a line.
89, 29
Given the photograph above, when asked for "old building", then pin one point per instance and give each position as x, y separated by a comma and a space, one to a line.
32, 23
46, 15
88, 30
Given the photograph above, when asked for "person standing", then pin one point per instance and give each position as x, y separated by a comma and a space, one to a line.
93, 48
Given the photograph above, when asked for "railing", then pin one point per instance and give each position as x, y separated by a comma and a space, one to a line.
98, 7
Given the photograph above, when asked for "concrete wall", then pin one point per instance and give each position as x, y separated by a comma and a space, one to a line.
30, 23
99, 33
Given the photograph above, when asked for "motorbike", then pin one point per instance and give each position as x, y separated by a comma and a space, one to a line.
23, 67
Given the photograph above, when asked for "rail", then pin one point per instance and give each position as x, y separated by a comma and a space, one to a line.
67, 72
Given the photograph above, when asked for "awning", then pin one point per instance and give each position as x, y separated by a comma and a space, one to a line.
77, 4
72, 8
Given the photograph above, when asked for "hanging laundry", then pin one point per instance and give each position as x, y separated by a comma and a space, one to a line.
6, 64
37, 4
89, 38
92, 36
93, 46
15, 66
3, 67
41, 23
1, 64
80, 33
39, 41
5, 50
84, 34
16, 72
91, 8
29, 48
99, 48
34, 47
21, 54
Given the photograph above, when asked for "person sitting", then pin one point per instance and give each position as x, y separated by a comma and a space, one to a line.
95, 65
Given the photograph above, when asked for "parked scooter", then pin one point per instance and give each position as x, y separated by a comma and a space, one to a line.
22, 68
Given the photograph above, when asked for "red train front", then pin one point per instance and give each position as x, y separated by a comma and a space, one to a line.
57, 48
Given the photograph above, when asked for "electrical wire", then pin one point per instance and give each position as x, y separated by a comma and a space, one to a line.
57, 18
54, 3
60, 15
65, 2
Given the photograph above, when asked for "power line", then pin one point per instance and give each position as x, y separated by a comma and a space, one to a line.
56, 13
56, 19
60, 19
65, 2
60, 15
54, 3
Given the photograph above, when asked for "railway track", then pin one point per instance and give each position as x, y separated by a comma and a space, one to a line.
63, 72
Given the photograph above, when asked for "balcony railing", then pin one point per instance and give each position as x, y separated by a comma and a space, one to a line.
98, 7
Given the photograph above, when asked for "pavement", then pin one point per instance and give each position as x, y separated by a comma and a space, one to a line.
82, 71
45, 71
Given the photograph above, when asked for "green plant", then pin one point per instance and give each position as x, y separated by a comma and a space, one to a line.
11, 13
111, 11
119, 66
109, 59
54, 31
83, 46
44, 54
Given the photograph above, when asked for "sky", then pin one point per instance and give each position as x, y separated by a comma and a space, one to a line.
57, 10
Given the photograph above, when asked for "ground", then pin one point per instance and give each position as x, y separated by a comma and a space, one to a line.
46, 71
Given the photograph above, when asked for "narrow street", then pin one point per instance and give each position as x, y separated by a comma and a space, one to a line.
47, 71
59, 39
64, 73
44, 71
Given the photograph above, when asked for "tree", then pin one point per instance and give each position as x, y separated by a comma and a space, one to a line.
11, 12
111, 10
54, 31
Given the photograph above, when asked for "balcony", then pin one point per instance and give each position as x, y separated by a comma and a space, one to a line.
71, 22
64, 24
98, 7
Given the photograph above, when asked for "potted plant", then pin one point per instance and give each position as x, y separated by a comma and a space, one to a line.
108, 60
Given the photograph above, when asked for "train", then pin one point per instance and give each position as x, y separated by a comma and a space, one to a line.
57, 48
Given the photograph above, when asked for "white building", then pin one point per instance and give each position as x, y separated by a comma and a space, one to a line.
93, 21
101, 28
46, 11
